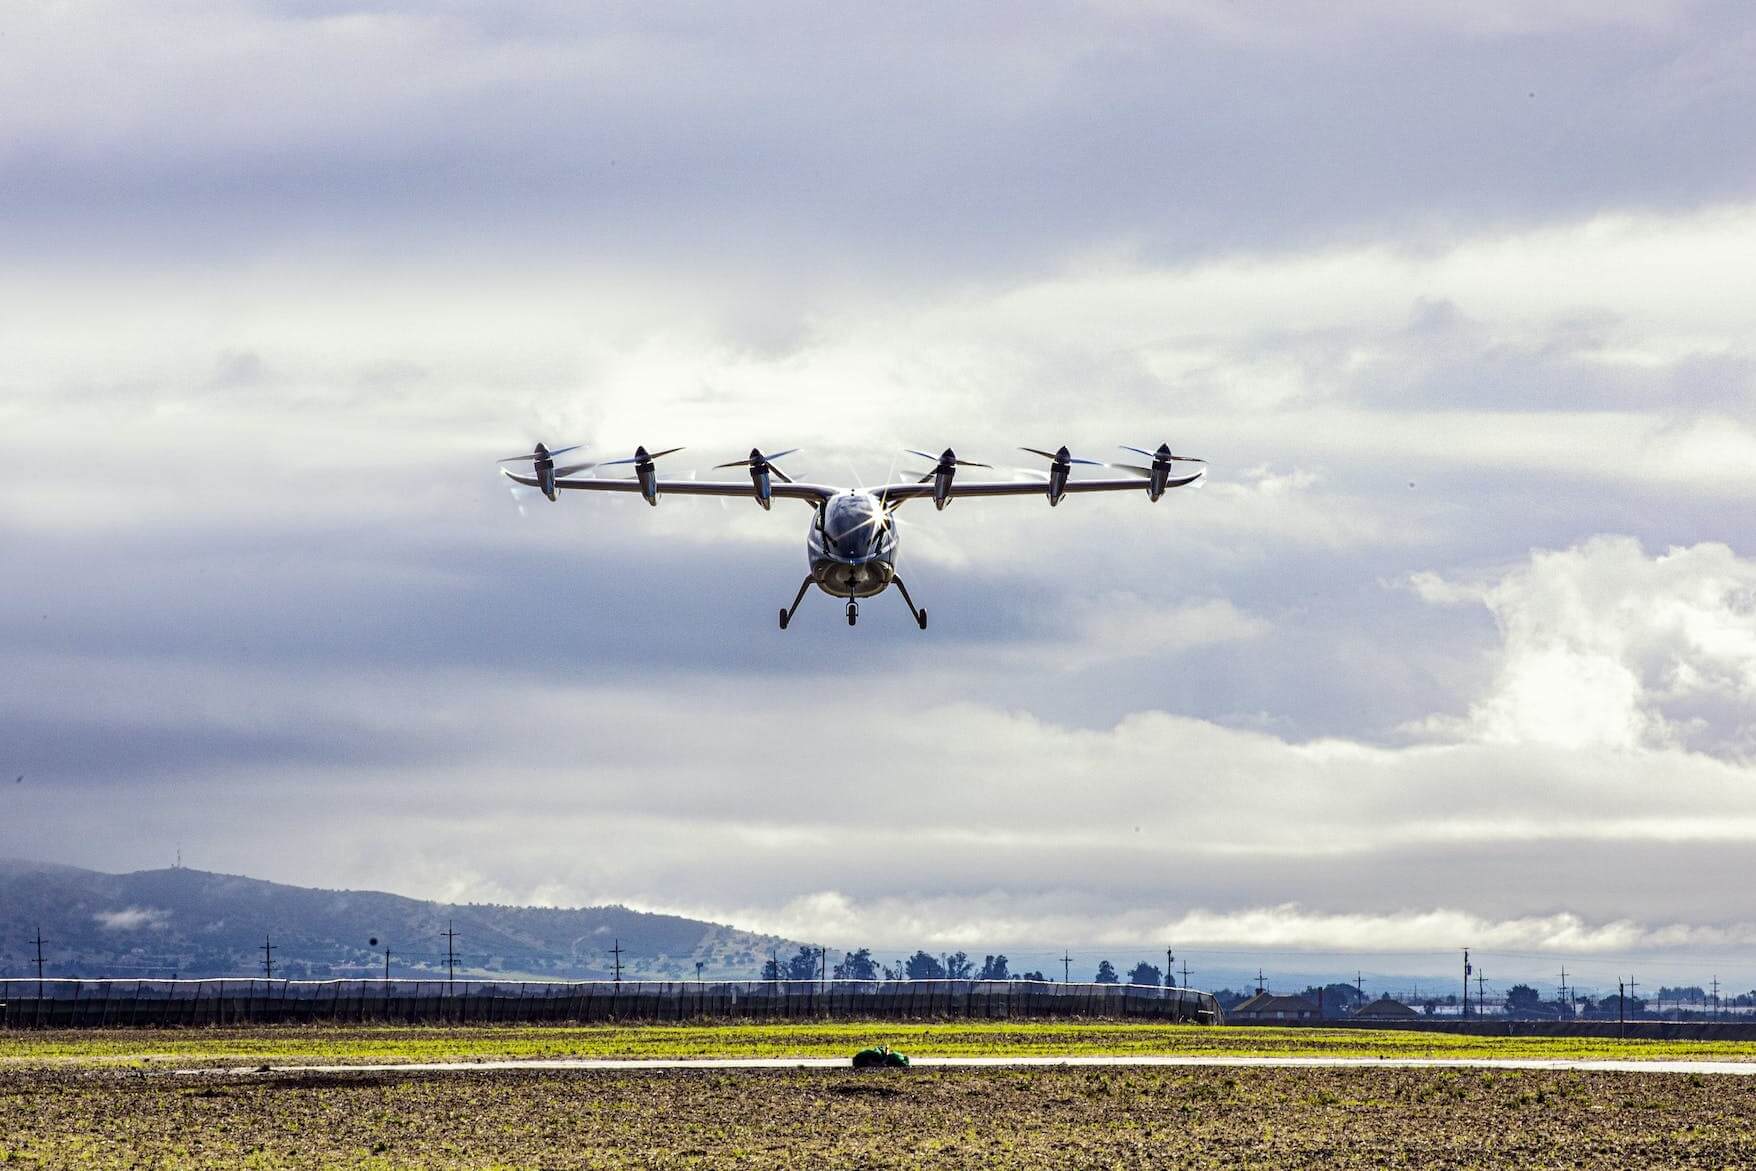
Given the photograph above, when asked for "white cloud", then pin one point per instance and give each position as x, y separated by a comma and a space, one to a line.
994, 919
1607, 647
132, 919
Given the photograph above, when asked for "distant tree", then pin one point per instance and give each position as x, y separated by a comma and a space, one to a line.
857, 965
994, 968
922, 966
770, 969
1106, 973
958, 966
804, 965
1229, 999
1523, 998
1145, 973
1336, 1000
1037, 976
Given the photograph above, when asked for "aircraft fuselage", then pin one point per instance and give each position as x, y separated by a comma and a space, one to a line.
851, 545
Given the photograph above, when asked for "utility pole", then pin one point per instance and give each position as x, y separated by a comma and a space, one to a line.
823, 964
1481, 980
1360, 985
39, 942
268, 950
698, 966
1066, 967
1563, 997
1170, 967
1259, 981
450, 956
617, 952
1466, 972
1185, 971
387, 965
1716, 998
1621, 1009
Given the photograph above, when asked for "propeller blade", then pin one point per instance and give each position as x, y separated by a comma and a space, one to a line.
922, 454
571, 468
666, 451
1145, 473
1055, 457
531, 455
737, 463
1188, 459
781, 454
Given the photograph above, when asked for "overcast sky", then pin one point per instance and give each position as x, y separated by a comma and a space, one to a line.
1456, 646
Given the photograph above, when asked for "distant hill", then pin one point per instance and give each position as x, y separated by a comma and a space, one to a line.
194, 923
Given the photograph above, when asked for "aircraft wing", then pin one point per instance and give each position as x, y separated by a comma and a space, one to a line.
813, 494
897, 493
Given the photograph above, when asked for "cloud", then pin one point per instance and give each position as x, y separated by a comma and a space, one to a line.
132, 919
1607, 647
987, 921
1429, 290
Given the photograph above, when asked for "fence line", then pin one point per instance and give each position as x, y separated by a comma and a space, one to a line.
85, 1003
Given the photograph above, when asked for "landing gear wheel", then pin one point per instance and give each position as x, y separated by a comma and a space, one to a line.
923, 620
783, 619
853, 612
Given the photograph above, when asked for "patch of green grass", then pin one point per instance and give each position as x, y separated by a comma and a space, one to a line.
380, 1044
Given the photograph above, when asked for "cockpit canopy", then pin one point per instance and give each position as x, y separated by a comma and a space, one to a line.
856, 527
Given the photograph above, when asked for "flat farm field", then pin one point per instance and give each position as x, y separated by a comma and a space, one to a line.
969, 1118
377, 1044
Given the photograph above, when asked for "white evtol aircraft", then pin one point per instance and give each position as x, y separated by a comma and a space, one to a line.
852, 541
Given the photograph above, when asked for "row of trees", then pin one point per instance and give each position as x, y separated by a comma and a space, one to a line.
860, 965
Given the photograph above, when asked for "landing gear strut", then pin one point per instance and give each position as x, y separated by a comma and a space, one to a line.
786, 615
920, 616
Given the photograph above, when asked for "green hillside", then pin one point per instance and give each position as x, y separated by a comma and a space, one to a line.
195, 923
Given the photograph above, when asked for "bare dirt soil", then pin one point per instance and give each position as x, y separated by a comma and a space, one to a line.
1186, 1118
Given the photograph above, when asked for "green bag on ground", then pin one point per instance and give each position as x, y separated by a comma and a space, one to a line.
880, 1057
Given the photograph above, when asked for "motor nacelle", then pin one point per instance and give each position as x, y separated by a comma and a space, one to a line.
1157, 476
644, 470
1061, 463
543, 462
647, 474
545, 472
944, 473
762, 471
